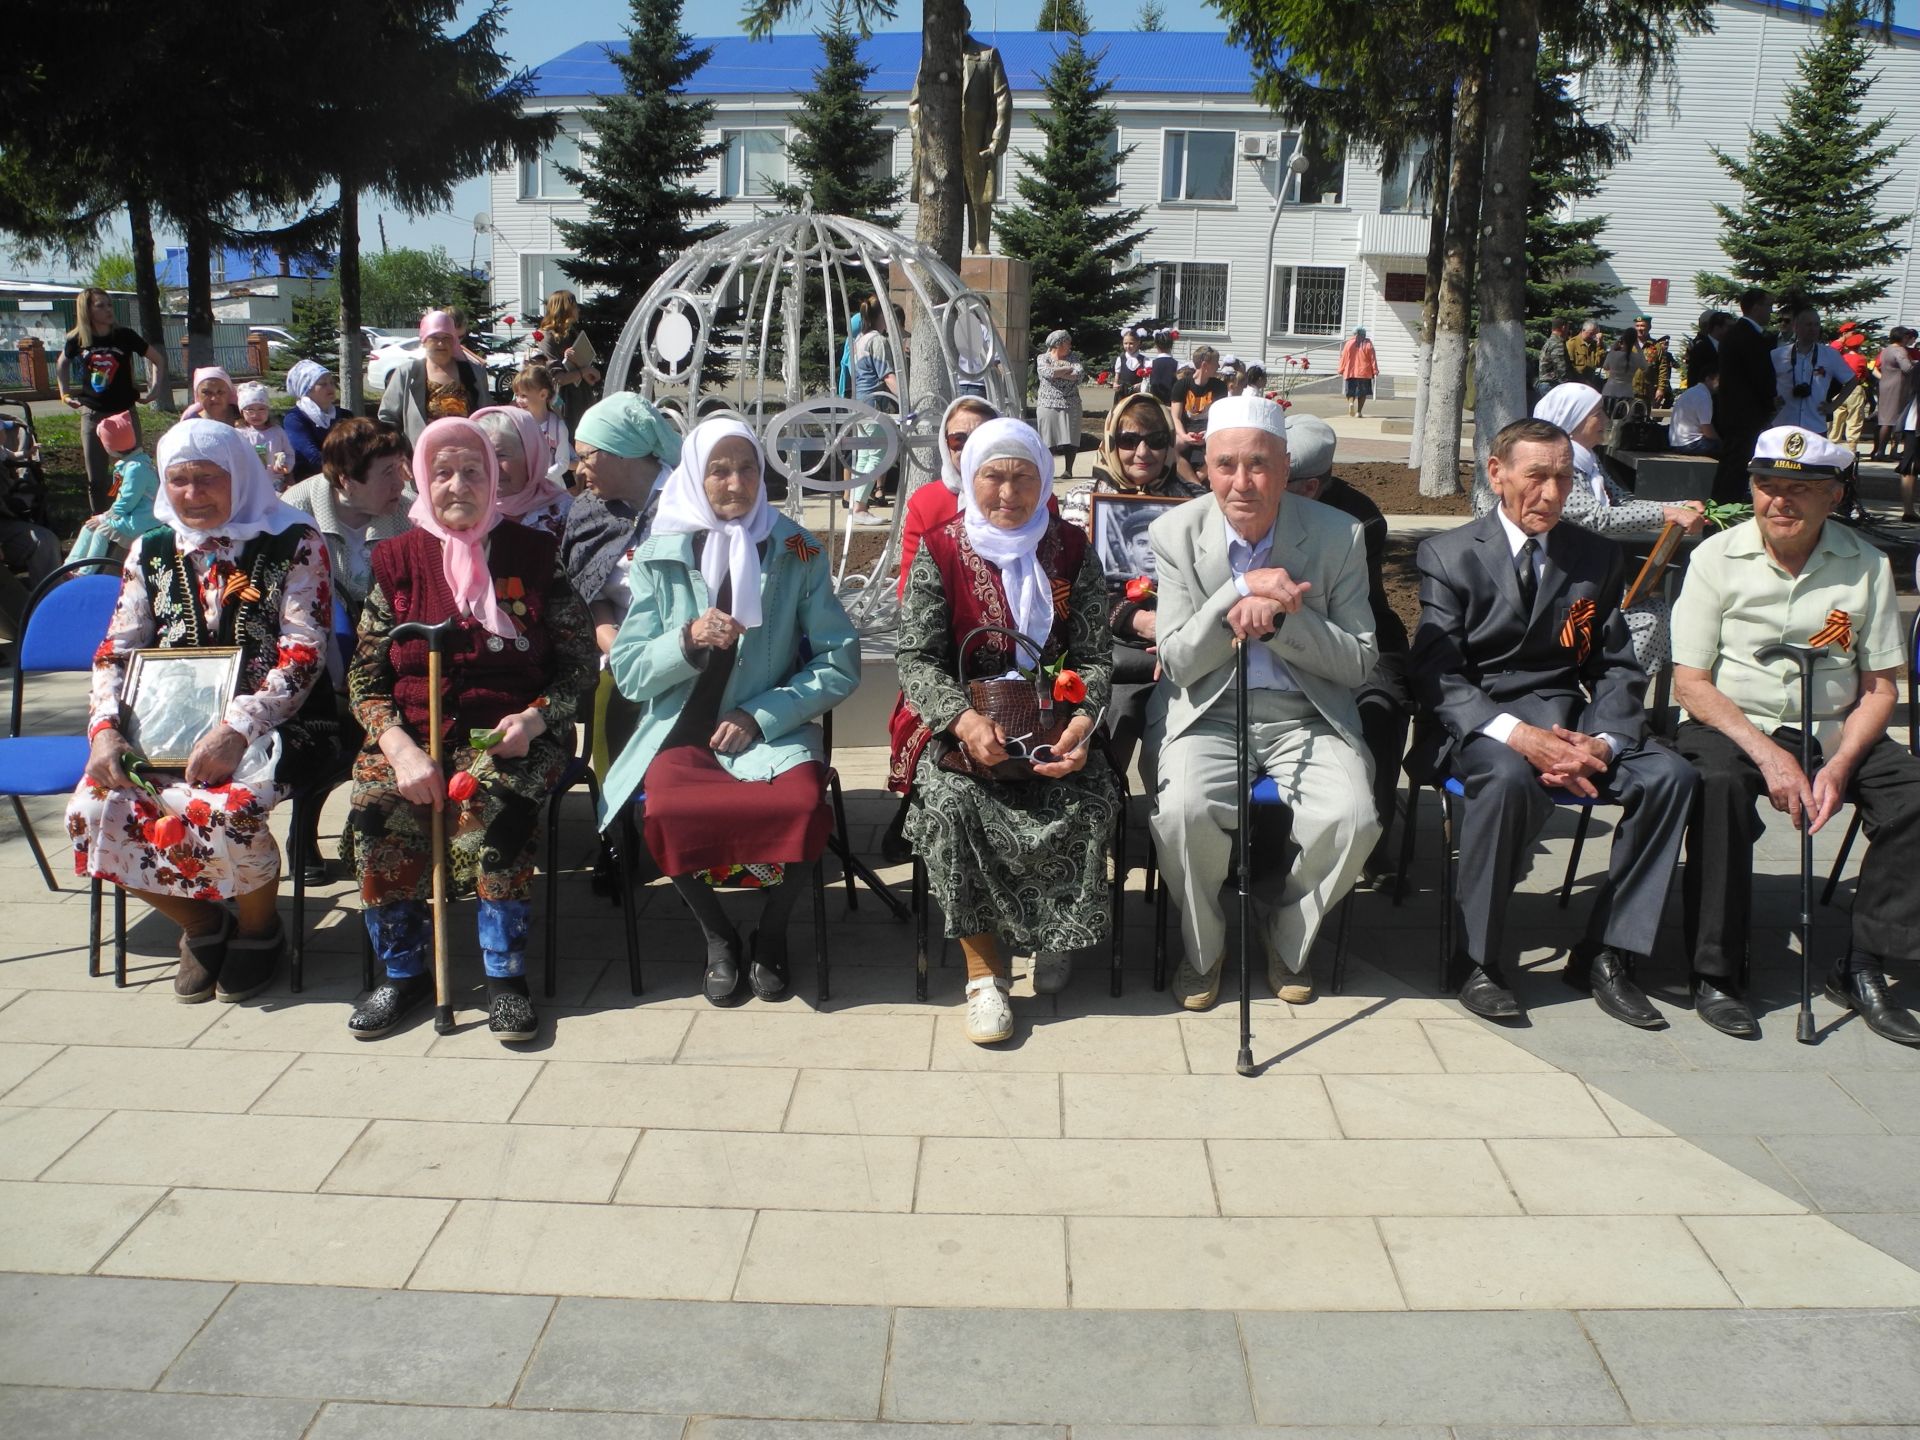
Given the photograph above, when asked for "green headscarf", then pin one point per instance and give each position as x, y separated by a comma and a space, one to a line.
628, 426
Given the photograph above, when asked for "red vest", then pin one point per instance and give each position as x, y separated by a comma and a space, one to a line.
483, 677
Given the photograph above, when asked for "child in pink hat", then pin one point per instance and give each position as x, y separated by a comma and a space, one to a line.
129, 512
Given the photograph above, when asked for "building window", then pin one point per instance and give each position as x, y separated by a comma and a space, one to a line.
541, 179
754, 163
1192, 296
1309, 299
1196, 165
883, 168
1400, 192
1113, 148
1323, 182
540, 276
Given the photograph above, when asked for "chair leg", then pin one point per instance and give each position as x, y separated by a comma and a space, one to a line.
629, 844
1340, 945
920, 909
1160, 933
33, 843
553, 893
120, 936
1446, 892
1119, 894
1573, 860
845, 847
1410, 826
820, 961
93, 929
1840, 860
368, 980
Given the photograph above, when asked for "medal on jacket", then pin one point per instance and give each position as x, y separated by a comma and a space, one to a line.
1837, 631
1577, 632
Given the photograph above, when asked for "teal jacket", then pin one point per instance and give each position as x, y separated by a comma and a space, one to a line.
803, 660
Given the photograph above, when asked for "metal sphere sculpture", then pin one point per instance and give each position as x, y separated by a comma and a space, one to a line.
751, 325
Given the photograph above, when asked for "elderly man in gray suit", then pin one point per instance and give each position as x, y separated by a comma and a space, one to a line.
1287, 576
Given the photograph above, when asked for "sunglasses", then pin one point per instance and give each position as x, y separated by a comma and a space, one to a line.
957, 439
1016, 745
1155, 440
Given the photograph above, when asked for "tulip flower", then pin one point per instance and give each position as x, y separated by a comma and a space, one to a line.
462, 786
1069, 688
1139, 588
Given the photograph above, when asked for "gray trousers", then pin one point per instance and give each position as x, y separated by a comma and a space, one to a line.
1322, 778
1506, 807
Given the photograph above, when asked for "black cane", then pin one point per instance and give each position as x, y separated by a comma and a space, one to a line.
1241, 744
436, 638
1804, 658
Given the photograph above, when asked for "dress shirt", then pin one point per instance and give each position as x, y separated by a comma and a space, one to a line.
1265, 670
1500, 727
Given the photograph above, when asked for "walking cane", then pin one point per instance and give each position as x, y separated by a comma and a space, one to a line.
1244, 1062
1804, 658
436, 638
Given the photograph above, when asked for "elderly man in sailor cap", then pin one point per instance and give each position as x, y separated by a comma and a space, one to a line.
1792, 575
1287, 576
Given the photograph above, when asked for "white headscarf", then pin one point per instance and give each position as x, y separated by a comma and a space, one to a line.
949, 467
1029, 594
302, 377
1567, 406
257, 507
731, 546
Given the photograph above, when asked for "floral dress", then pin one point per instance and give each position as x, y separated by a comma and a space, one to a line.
273, 597
1024, 860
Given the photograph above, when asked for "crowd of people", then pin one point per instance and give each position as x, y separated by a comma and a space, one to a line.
1047, 648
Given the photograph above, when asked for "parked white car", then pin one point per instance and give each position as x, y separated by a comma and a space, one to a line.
502, 366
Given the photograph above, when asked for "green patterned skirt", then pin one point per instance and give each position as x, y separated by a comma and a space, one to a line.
1024, 860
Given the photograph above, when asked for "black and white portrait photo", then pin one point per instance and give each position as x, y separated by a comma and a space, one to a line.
1119, 531
174, 697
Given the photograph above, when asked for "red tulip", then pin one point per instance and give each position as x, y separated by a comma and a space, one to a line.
1139, 588
462, 786
538, 336
507, 320
1069, 688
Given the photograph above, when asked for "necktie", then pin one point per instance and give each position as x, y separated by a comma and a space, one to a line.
1529, 581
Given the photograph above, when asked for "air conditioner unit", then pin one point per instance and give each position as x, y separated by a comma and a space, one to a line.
1254, 147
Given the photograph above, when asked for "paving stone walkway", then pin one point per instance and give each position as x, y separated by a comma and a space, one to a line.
785, 1223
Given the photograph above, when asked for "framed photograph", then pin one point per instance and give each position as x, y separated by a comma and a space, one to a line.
1118, 525
1661, 556
173, 697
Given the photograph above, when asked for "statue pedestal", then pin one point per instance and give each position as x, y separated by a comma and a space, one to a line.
1006, 285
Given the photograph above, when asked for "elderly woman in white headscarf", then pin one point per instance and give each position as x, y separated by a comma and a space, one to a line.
1596, 503
737, 644
315, 395
1023, 858
528, 495
184, 826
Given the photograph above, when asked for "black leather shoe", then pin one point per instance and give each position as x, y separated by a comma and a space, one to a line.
722, 984
1865, 992
511, 1018
766, 974
386, 1007
1715, 1002
1607, 975
1487, 997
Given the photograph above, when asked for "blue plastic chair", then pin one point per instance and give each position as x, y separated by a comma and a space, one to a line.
1264, 792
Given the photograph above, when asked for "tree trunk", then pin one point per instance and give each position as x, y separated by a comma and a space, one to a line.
1430, 298
199, 296
146, 284
346, 275
1447, 384
1500, 363
943, 35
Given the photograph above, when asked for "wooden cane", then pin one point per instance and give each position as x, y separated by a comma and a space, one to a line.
436, 638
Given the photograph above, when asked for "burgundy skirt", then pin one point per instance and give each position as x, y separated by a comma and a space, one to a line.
698, 816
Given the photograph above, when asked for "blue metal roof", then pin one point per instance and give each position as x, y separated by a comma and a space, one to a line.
1159, 63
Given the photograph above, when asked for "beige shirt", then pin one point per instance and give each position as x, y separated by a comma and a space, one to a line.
1737, 600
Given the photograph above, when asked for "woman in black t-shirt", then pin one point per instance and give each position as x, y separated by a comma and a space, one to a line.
95, 375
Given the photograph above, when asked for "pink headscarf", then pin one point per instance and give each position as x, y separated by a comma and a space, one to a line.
438, 322
540, 491
204, 373
463, 556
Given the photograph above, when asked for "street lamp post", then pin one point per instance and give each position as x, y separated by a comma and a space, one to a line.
1296, 165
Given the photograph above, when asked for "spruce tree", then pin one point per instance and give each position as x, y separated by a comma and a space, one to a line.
1152, 17
841, 155
1065, 226
315, 326
1808, 231
1570, 155
636, 178
1067, 17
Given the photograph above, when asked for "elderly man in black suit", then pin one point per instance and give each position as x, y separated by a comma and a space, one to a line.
1523, 656
1743, 406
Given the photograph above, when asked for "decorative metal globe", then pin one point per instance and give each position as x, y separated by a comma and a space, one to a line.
751, 325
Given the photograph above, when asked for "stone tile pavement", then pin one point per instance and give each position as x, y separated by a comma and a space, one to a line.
846, 1223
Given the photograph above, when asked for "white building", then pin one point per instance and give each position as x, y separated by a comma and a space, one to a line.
1205, 160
